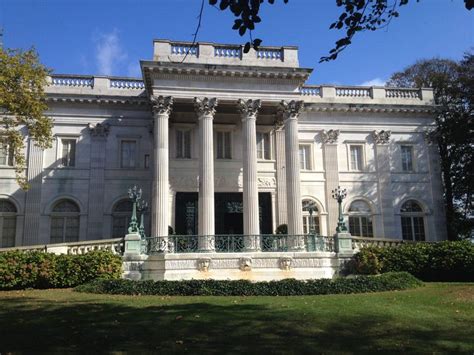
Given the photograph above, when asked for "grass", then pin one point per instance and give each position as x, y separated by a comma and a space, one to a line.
434, 318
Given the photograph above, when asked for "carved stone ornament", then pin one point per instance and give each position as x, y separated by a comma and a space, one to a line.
285, 263
248, 108
430, 137
245, 264
205, 106
203, 264
381, 137
290, 109
161, 105
99, 129
330, 136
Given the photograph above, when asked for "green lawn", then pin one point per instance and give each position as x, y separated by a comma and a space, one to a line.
434, 318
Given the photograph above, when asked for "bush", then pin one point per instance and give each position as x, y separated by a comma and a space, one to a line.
443, 261
287, 287
19, 270
282, 229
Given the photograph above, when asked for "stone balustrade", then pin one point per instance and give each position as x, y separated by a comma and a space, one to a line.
127, 84
72, 81
403, 93
360, 242
310, 91
347, 91
75, 248
214, 53
228, 51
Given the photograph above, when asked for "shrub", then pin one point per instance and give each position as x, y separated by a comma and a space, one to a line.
287, 287
19, 270
443, 261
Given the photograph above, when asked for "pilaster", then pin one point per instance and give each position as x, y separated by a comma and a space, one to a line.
290, 111
98, 134
162, 107
331, 172
382, 163
248, 110
205, 109
33, 195
281, 176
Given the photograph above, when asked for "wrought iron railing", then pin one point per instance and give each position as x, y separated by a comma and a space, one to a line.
237, 243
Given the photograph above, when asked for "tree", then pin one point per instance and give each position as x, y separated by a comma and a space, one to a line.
357, 16
22, 104
453, 85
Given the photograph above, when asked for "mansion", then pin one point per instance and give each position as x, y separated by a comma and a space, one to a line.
225, 142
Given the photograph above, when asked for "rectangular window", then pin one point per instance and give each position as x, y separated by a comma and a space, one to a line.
147, 161
263, 146
128, 153
183, 144
6, 155
68, 152
407, 158
356, 157
224, 145
305, 158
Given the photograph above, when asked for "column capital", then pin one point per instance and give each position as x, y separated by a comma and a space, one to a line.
248, 108
291, 110
205, 106
161, 105
330, 137
381, 137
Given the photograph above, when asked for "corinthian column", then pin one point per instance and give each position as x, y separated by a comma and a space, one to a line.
159, 217
248, 110
290, 111
205, 109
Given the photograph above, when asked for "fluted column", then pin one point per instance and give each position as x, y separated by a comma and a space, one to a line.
331, 173
290, 111
160, 189
205, 109
248, 110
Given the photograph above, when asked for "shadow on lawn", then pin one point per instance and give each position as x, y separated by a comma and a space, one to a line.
37, 325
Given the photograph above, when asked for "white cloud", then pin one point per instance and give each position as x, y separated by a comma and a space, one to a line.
374, 82
109, 52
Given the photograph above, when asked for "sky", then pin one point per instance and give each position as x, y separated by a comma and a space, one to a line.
109, 37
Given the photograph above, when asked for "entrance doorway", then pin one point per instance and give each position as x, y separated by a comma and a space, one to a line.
229, 218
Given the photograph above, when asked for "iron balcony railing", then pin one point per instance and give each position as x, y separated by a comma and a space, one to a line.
237, 243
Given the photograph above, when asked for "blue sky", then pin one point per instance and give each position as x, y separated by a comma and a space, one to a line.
110, 36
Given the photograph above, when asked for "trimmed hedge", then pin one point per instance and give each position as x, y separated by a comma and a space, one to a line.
19, 270
443, 261
287, 287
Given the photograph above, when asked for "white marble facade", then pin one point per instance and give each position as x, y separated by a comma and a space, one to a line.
224, 121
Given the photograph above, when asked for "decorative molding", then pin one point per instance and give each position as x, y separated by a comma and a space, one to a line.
248, 109
203, 264
285, 263
183, 181
292, 109
161, 105
369, 108
330, 136
266, 182
127, 100
381, 137
205, 106
245, 264
99, 129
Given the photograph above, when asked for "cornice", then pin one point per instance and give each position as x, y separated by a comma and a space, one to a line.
369, 108
87, 99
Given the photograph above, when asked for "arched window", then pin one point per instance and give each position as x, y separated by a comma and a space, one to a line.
65, 222
121, 214
310, 217
7, 224
360, 219
413, 221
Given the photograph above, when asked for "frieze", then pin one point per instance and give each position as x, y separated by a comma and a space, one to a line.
330, 136
248, 108
381, 137
266, 182
183, 181
161, 105
205, 106
99, 129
